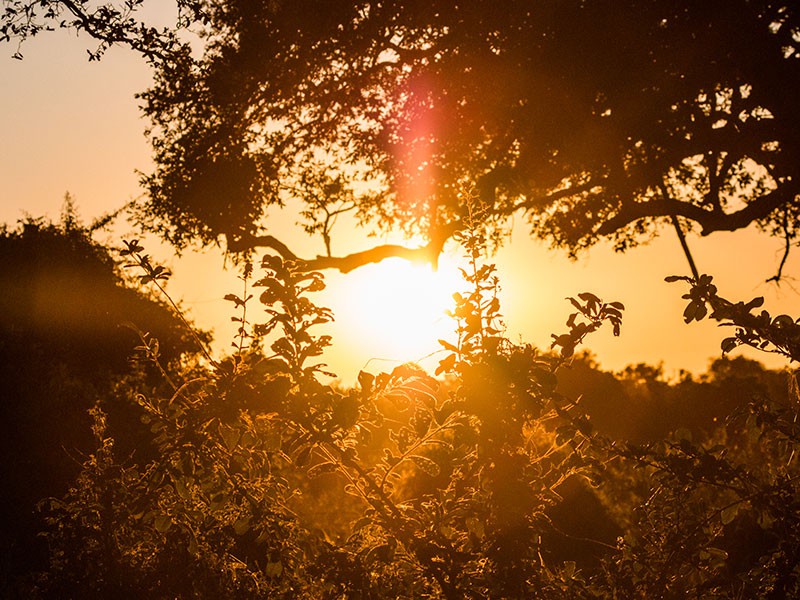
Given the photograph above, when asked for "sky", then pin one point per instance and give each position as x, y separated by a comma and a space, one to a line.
69, 125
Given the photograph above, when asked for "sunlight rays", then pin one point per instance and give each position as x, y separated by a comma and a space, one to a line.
397, 309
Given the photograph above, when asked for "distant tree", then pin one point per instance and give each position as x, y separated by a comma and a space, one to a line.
640, 405
592, 119
63, 348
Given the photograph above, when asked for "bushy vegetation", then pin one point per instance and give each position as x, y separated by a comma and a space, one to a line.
68, 323
487, 479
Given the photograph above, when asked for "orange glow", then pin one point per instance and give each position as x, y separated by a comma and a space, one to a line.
414, 150
396, 310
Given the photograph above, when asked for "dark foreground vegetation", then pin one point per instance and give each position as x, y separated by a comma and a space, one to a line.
513, 473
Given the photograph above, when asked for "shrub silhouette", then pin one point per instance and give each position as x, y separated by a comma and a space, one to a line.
63, 349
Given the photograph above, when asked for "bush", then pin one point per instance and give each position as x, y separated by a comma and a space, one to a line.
489, 483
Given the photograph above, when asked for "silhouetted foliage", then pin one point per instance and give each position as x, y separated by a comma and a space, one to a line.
592, 119
641, 405
64, 347
519, 472
489, 483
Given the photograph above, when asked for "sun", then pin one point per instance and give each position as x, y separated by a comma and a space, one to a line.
396, 311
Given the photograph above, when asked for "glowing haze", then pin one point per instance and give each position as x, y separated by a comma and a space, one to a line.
69, 125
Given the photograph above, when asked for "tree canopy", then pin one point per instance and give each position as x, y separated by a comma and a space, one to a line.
592, 119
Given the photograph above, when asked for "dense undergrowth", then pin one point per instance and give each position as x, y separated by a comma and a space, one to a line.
251, 477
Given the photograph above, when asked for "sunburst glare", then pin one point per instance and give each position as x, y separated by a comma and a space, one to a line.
397, 309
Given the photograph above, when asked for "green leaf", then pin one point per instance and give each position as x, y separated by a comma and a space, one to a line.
242, 525
181, 489
273, 569
230, 436
729, 514
475, 526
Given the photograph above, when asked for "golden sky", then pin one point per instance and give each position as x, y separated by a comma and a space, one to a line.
73, 126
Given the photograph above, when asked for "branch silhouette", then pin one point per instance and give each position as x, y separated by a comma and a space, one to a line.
429, 253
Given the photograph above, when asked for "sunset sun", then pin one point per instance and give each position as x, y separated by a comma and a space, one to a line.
398, 309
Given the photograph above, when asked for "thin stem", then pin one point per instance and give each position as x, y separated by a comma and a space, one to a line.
186, 323
786, 249
685, 247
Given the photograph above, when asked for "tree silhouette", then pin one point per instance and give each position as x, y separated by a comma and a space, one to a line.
592, 119
63, 349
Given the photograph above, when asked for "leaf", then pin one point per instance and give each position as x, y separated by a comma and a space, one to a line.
689, 312
448, 346
283, 347
273, 569
162, 523
359, 524
230, 436
322, 469
233, 298
701, 312
729, 344
242, 525
303, 457
382, 553
218, 501
270, 261
715, 556
475, 526
181, 489
754, 303
446, 365
589, 297
366, 381
729, 514
569, 569
427, 465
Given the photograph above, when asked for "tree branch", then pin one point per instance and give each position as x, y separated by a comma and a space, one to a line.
247, 242
428, 253
709, 221
547, 199
104, 28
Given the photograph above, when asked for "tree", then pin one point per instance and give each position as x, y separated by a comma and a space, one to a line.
64, 346
592, 119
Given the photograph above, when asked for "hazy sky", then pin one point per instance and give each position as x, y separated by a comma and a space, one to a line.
73, 126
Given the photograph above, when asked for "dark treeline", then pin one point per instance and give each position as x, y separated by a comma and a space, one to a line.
68, 329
